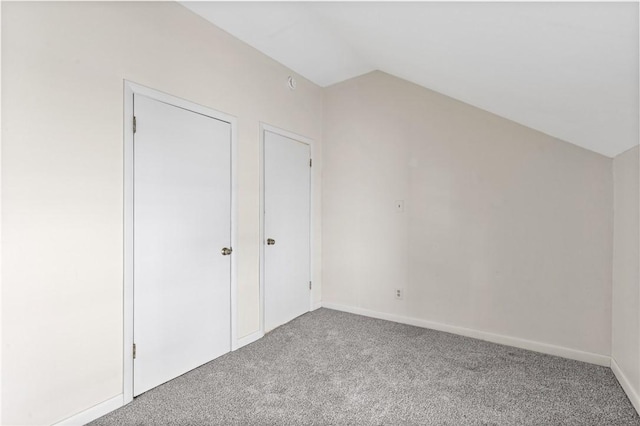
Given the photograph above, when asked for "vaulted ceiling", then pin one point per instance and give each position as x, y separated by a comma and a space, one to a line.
567, 69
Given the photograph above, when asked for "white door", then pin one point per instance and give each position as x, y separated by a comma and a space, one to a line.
287, 175
182, 221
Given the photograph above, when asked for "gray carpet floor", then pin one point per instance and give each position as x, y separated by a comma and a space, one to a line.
333, 368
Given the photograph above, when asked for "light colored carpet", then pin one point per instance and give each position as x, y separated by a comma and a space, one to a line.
329, 367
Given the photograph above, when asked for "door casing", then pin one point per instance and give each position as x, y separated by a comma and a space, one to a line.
266, 127
130, 89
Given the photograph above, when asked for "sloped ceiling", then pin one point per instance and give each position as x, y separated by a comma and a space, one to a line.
567, 69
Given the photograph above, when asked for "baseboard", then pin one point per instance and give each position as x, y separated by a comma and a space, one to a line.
544, 348
244, 341
626, 385
90, 414
116, 402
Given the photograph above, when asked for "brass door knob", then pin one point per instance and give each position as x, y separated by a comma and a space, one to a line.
226, 251
270, 241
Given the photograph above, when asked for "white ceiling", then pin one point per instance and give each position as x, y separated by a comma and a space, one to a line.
567, 69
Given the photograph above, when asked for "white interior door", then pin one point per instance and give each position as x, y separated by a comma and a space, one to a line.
287, 175
182, 221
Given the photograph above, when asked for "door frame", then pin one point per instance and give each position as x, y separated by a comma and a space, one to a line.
307, 141
130, 89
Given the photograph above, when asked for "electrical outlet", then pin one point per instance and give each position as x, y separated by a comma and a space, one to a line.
399, 293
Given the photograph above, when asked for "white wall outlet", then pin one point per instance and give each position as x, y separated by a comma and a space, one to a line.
399, 206
399, 293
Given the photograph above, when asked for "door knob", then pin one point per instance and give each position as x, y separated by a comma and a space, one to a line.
226, 251
270, 241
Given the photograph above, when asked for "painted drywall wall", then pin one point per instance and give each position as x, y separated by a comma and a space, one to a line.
504, 230
625, 347
63, 66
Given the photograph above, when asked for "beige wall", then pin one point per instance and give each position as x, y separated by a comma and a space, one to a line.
63, 67
505, 230
625, 348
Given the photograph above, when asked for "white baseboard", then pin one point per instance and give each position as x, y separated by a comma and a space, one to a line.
244, 341
116, 402
544, 348
632, 394
90, 414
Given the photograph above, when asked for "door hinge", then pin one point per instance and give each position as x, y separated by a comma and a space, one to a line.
310, 162
134, 351
309, 285
134, 124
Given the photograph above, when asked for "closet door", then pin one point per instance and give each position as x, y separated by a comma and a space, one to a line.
287, 178
182, 237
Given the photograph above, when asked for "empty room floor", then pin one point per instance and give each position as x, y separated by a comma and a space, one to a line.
330, 367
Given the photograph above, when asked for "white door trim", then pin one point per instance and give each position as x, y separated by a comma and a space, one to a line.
303, 139
130, 89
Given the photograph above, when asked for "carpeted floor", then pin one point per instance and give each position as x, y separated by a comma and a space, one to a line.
329, 367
